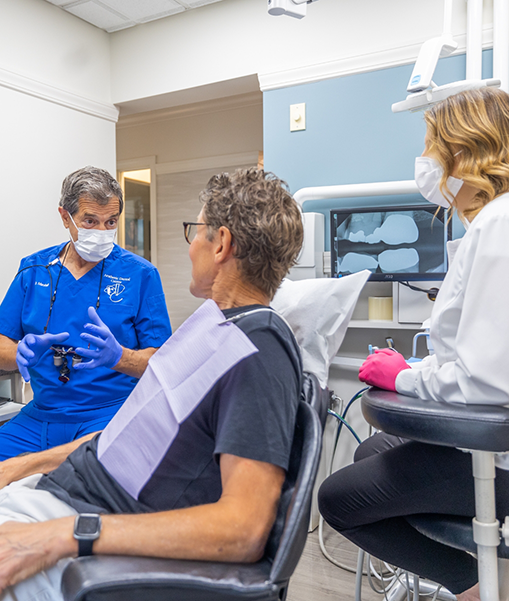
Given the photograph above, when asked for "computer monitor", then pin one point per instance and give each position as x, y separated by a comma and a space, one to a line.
396, 243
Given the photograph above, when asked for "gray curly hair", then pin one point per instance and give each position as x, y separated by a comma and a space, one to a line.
264, 220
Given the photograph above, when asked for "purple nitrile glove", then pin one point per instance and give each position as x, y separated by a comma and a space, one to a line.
382, 368
32, 347
107, 351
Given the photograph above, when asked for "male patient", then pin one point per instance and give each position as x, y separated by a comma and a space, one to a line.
206, 483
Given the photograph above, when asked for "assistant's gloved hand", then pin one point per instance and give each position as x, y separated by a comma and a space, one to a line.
382, 368
32, 347
107, 351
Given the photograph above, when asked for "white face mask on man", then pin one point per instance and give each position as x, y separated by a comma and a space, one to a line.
428, 174
93, 245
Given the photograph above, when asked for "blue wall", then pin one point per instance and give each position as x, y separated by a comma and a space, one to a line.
351, 134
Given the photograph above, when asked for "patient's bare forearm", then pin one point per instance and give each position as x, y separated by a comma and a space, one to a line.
134, 363
37, 463
235, 528
8, 348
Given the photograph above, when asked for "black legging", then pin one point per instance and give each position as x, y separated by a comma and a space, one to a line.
392, 478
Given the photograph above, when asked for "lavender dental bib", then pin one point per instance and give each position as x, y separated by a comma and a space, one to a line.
177, 378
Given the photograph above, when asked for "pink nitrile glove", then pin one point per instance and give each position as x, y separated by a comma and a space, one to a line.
382, 368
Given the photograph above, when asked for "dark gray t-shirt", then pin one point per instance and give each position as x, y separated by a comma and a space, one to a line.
250, 412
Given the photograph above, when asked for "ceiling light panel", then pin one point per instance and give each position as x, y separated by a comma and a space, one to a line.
113, 15
59, 2
198, 3
99, 16
141, 11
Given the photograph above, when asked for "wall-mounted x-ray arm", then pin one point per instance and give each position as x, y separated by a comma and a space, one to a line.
423, 92
430, 52
423, 100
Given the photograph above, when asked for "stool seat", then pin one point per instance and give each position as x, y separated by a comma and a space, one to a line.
451, 530
480, 427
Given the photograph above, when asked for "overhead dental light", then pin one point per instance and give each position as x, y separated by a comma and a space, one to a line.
290, 8
423, 92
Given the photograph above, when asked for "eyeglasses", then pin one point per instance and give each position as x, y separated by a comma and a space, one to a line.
189, 231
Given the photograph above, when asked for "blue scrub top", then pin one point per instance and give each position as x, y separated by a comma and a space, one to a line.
132, 305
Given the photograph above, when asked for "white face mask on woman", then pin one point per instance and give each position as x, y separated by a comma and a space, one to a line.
93, 245
428, 174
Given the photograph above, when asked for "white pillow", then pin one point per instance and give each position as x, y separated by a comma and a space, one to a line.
319, 311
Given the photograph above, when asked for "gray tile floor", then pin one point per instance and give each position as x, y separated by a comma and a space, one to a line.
317, 579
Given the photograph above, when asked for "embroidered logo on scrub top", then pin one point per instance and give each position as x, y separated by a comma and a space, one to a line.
41, 284
116, 288
114, 291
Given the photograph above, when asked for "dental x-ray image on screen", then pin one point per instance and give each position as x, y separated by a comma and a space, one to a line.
394, 243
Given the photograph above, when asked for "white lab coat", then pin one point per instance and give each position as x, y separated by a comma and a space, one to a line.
470, 321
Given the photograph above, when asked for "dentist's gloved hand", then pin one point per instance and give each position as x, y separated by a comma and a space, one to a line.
104, 349
32, 347
382, 368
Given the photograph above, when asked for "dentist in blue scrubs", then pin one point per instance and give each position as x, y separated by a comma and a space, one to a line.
87, 295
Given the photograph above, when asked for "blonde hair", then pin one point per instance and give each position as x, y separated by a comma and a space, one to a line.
471, 129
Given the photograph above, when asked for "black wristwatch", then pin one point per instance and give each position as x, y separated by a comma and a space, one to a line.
87, 528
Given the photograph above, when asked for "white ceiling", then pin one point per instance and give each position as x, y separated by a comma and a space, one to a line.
113, 15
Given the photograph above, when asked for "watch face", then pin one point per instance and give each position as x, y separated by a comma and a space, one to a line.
87, 525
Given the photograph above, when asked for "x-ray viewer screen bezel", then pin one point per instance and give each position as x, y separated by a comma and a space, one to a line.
396, 243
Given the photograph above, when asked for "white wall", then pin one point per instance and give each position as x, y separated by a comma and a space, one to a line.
55, 117
44, 43
41, 143
237, 38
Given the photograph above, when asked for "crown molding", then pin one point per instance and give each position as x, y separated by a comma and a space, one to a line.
362, 63
192, 110
43, 91
217, 162
148, 162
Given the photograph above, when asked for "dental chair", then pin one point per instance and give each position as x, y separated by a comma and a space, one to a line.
116, 578
10, 407
482, 430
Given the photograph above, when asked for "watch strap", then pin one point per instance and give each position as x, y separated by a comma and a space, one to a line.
85, 547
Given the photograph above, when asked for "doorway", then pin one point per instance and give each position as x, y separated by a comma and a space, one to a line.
137, 228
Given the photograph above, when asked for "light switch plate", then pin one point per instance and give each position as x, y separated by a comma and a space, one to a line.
298, 117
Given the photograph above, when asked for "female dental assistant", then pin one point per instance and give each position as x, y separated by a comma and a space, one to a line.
466, 160
89, 294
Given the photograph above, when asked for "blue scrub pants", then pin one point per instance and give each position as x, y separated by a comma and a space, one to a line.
24, 433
